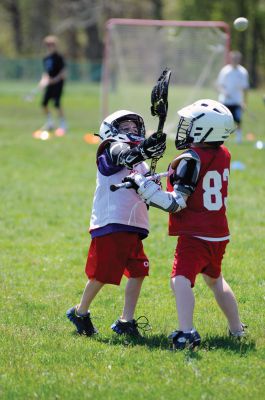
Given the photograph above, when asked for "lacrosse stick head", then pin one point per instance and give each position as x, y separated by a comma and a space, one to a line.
159, 95
123, 126
204, 121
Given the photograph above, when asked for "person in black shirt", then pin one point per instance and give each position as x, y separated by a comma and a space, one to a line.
52, 81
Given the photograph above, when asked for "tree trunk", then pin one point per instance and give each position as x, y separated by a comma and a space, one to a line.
13, 9
158, 9
94, 52
40, 17
256, 35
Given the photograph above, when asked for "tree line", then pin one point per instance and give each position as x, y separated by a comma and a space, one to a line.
80, 25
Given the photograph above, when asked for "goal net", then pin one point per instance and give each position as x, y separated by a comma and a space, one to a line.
136, 52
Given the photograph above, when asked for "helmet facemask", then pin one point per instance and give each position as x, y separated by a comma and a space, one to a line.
131, 128
183, 138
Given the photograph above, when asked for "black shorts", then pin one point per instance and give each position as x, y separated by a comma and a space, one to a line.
53, 92
236, 111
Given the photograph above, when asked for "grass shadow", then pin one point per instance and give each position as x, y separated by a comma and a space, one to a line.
160, 341
215, 342
152, 342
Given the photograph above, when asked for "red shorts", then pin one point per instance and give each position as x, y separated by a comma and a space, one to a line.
111, 256
194, 256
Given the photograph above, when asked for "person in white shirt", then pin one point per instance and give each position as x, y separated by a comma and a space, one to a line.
233, 83
119, 221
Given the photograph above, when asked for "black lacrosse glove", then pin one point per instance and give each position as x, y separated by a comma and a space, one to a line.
155, 145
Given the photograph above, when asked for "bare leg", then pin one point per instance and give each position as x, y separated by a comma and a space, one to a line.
185, 302
132, 292
92, 288
226, 301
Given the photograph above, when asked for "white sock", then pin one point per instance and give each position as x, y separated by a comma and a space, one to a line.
239, 135
82, 314
49, 121
62, 123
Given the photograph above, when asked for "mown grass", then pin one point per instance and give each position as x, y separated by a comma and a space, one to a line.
46, 197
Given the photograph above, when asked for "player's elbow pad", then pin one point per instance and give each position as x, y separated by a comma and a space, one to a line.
152, 195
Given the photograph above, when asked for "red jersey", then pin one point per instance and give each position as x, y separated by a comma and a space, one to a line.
205, 214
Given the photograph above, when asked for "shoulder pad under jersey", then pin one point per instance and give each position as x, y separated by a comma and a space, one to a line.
187, 155
186, 172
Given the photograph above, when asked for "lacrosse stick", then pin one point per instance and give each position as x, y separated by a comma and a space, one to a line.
31, 95
159, 106
128, 185
41, 85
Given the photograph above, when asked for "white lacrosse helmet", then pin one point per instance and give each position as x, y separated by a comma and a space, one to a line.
110, 127
202, 122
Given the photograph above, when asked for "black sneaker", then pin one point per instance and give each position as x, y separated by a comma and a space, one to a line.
181, 340
130, 327
83, 324
239, 334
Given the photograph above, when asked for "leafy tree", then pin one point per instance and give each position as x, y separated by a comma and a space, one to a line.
13, 9
80, 24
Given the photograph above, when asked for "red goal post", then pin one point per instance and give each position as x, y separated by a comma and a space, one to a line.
136, 50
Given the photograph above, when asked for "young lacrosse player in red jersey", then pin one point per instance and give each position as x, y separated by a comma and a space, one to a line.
119, 221
196, 201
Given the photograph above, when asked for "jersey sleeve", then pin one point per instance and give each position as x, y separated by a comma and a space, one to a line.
62, 63
105, 164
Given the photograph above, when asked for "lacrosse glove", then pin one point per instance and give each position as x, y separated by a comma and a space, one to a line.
154, 146
144, 187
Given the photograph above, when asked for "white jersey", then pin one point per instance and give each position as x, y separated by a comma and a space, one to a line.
232, 81
121, 207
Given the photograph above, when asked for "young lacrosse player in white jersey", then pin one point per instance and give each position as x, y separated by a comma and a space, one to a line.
119, 220
196, 202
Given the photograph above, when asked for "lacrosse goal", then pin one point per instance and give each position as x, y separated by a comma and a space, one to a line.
136, 52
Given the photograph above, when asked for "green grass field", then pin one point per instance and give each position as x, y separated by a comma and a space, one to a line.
46, 198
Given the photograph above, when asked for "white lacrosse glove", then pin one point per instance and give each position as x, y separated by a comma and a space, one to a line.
144, 187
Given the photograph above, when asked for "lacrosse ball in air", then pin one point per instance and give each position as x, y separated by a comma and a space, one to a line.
240, 24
